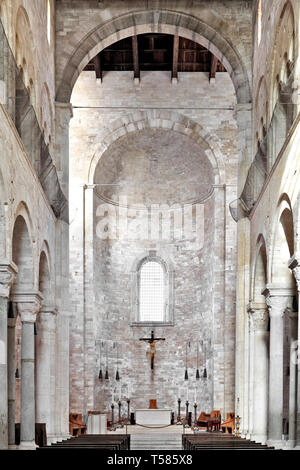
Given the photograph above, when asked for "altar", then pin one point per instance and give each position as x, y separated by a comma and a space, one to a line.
153, 417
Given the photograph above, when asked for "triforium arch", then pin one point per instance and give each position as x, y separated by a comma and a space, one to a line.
282, 244
25, 51
161, 119
166, 22
45, 281
284, 53
259, 274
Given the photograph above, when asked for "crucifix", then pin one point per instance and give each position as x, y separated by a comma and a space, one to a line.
152, 341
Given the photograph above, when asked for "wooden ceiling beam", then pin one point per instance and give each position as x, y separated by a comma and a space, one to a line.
136, 63
98, 68
213, 67
175, 57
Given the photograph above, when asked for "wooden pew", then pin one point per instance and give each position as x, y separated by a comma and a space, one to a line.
94, 441
219, 442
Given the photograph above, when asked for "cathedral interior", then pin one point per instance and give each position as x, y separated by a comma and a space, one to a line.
149, 218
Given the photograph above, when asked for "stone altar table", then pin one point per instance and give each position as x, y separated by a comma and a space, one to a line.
152, 417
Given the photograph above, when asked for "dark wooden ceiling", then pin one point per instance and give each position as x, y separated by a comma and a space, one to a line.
155, 52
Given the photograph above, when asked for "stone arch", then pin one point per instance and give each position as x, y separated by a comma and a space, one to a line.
163, 21
259, 271
261, 108
282, 246
164, 119
284, 51
25, 51
47, 120
22, 250
4, 15
45, 275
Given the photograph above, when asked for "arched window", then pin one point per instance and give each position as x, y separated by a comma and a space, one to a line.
49, 21
151, 291
259, 20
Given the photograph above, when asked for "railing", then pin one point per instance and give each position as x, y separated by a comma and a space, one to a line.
16, 98
283, 118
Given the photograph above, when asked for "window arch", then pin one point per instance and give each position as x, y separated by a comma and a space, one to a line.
259, 22
152, 291
49, 22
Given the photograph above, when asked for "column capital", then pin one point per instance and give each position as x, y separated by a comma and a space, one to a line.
89, 186
259, 314
47, 317
66, 109
261, 319
294, 265
28, 305
278, 299
8, 272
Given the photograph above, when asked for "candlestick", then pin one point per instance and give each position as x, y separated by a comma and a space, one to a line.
187, 410
179, 412
195, 417
120, 419
186, 414
112, 418
128, 410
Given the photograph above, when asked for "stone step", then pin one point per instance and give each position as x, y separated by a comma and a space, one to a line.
156, 442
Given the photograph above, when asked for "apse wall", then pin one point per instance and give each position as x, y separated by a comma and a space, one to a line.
150, 167
198, 117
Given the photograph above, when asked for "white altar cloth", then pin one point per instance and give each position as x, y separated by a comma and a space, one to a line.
148, 417
96, 424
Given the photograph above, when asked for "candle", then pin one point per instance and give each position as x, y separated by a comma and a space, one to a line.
187, 393
195, 399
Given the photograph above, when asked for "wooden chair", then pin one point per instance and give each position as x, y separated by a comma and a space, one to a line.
229, 424
76, 425
152, 404
215, 420
203, 420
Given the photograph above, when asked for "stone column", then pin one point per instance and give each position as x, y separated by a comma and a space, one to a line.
45, 371
11, 369
28, 307
246, 373
293, 378
260, 320
63, 115
63, 378
294, 265
242, 299
7, 272
277, 300
251, 372
219, 316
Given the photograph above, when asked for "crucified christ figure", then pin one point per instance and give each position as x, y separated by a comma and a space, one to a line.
152, 342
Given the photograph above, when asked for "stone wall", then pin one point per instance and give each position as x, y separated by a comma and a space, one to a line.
109, 119
25, 24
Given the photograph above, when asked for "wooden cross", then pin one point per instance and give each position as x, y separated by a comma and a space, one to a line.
152, 341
